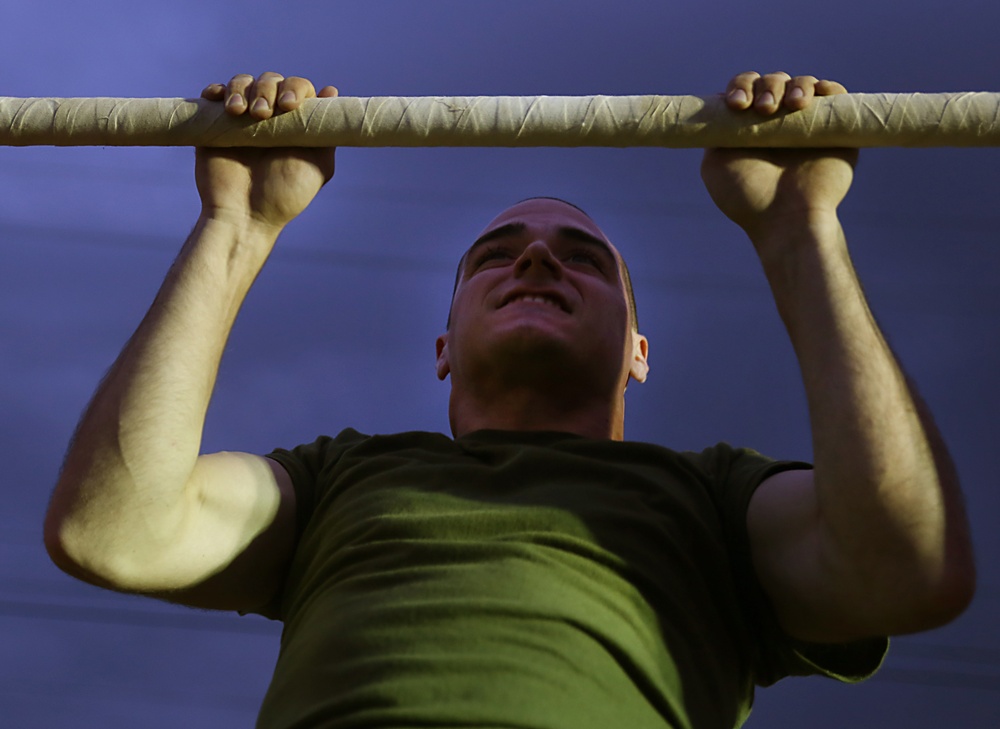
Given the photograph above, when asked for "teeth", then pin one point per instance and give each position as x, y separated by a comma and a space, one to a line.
538, 299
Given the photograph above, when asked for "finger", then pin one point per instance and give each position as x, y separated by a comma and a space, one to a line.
292, 91
739, 92
262, 97
214, 92
799, 92
236, 93
768, 91
829, 88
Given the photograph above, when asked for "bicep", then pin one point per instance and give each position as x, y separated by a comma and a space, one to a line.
795, 564
238, 536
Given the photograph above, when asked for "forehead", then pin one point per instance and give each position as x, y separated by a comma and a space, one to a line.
545, 213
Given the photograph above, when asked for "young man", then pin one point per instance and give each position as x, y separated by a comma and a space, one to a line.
536, 569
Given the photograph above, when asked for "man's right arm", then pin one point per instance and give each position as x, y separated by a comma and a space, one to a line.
136, 507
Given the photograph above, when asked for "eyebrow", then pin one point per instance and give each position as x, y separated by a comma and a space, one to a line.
567, 231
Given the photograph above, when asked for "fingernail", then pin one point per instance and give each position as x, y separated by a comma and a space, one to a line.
738, 95
287, 98
796, 93
260, 105
235, 100
766, 99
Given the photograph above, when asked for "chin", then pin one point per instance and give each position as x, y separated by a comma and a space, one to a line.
530, 337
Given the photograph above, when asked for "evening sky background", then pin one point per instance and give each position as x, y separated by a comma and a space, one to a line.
339, 329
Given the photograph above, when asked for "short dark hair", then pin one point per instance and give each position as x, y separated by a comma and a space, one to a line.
626, 278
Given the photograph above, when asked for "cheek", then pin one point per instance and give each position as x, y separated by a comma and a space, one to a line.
612, 307
613, 320
473, 292
465, 304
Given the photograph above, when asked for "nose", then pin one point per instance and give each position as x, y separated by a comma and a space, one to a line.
537, 259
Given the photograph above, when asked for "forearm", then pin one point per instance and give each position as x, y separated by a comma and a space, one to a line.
125, 480
888, 496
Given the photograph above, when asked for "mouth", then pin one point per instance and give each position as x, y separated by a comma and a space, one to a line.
543, 299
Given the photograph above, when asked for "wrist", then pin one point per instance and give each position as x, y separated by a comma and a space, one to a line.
244, 224
784, 233
233, 246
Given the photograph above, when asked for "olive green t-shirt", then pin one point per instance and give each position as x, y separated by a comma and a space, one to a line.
527, 581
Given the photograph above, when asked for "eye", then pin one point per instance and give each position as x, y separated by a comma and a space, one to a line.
493, 254
584, 257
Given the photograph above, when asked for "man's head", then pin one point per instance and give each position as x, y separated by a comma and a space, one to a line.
542, 296
625, 276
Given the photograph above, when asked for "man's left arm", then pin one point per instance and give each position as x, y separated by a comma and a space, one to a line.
874, 540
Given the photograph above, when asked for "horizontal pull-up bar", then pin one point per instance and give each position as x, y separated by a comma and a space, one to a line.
849, 120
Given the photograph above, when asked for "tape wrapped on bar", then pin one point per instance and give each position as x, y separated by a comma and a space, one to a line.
851, 120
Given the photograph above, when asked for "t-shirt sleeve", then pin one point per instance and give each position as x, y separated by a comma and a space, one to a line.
735, 473
306, 465
302, 463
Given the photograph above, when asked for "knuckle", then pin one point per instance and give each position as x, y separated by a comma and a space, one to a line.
300, 85
265, 84
827, 88
239, 83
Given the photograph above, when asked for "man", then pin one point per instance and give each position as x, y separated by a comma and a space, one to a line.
536, 570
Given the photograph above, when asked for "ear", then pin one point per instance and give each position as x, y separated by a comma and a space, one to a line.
443, 368
640, 351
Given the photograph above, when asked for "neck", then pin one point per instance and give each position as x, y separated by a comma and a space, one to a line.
528, 409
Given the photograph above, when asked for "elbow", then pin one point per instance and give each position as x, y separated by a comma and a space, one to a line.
956, 587
77, 550
63, 531
122, 550
919, 593
60, 547
955, 593
941, 601
54, 546
83, 562
937, 611
54, 536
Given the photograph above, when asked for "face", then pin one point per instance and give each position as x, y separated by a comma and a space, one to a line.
542, 283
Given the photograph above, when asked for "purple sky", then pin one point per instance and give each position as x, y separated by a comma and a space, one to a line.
339, 330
